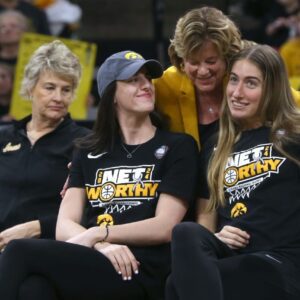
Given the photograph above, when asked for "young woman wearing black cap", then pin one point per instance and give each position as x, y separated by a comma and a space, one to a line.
137, 182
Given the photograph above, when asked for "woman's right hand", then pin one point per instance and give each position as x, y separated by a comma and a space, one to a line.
233, 237
121, 258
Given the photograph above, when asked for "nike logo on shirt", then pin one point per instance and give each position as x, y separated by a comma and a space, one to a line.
91, 156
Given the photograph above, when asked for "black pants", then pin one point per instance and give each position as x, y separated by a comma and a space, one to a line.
204, 268
44, 269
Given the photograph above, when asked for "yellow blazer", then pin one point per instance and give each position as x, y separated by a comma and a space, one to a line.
175, 99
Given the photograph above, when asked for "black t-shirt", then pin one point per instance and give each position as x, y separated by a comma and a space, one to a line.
122, 190
262, 190
127, 189
208, 131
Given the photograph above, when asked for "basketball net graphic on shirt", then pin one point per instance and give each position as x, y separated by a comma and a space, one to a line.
245, 171
120, 188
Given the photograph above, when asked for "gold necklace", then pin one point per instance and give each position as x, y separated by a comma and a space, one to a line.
129, 153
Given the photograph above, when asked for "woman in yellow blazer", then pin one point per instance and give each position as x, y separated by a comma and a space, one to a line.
190, 93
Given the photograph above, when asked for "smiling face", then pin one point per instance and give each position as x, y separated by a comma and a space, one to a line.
51, 97
206, 68
244, 93
135, 95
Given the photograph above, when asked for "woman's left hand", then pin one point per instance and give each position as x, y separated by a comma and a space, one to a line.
121, 258
233, 237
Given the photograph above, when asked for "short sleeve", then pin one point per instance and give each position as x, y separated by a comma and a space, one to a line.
180, 176
48, 224
76, 173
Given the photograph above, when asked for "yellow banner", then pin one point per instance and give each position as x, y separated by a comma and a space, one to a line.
86, 53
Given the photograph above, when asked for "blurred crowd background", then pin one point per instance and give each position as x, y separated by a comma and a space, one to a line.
144, 26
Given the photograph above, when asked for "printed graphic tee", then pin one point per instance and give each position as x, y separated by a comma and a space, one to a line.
262, 191
123, 190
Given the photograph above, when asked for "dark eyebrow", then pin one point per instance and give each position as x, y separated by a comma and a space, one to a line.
253, 78
247, 77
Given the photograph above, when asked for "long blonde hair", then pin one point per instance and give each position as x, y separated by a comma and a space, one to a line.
277, 109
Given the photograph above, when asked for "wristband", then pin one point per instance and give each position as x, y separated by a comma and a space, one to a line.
106, 234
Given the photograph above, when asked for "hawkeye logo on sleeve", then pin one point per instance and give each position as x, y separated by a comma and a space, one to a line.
247, 169
122, 187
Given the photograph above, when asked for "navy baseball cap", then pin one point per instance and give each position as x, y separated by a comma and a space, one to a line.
122, 66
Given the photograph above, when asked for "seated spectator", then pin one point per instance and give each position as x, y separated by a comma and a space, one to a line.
190, 92
248, 244
6, 87
276, 21
35, 152
248, 15
37, 17
136, 182
12, 26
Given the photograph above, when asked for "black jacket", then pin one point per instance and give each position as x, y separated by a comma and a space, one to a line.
31, 177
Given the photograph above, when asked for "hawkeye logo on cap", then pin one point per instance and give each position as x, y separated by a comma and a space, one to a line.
133, 55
